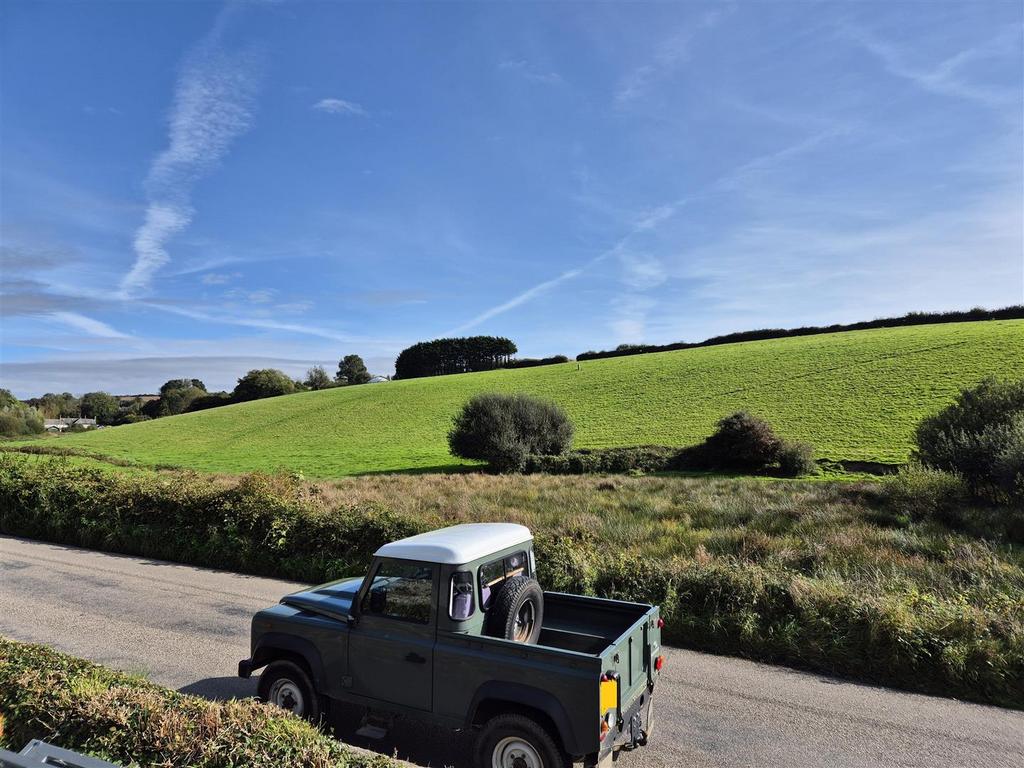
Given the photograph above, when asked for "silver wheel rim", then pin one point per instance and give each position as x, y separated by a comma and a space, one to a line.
287, 695
514, 752
525, 619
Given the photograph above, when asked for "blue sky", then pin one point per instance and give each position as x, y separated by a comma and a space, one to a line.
195, 189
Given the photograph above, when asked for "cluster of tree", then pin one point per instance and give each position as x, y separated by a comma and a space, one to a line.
17, 418
351, 371
55, 406
443, 356
911, 318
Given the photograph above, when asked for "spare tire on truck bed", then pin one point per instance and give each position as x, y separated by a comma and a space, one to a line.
518, 611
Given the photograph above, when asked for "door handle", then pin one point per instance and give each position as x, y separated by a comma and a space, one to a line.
415, 658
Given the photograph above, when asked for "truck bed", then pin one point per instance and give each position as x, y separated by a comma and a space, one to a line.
586, 624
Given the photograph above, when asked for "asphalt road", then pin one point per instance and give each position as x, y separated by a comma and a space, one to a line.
188, 627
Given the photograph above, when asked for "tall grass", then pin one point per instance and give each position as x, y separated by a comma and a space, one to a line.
828, 576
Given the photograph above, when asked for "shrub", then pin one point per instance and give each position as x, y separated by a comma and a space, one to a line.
981, 438
638, 458
742, 442
78, 705
922, 492
796, 459
503, 430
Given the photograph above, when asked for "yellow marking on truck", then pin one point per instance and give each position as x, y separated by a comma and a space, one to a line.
609, 695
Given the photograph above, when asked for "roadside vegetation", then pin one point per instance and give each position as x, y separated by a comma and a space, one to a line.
884, 582
855, 396
78, 705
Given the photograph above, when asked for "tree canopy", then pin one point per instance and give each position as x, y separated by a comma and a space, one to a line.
263, 382
460, 355
100, 406
352, 370
318, 378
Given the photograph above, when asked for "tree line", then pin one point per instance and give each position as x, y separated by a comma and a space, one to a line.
176, 396
1014, 312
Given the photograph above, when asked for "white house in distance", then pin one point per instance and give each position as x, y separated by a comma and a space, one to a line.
59, 425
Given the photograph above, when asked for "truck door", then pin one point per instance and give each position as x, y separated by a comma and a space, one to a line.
391, 647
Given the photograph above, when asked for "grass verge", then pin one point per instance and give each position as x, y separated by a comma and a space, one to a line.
841, 578
79, 705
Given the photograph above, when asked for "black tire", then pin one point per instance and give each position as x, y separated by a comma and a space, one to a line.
286, 684
509, 735
517, 612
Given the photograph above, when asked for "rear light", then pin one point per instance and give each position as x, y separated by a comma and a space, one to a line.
659, 663
661, 623
604, 728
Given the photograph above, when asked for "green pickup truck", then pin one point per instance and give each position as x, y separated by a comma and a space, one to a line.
451, 627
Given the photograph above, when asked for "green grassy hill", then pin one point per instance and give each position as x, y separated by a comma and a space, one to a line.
854, 395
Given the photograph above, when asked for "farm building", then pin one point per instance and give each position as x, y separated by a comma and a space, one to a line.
59, 425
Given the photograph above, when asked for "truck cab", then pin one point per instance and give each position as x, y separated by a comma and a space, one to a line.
451, 627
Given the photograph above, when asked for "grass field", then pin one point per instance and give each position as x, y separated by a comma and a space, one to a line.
849, 578
854, 395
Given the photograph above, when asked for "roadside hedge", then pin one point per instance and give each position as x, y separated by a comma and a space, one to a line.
79, 705
280, 526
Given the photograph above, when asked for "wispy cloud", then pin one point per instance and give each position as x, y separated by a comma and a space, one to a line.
946, 77
531, 71
213, 105
669, 55
217, 278
88, 325
340, 107
264, 323
522, 298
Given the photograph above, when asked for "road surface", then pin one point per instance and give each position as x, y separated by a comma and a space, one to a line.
187, 628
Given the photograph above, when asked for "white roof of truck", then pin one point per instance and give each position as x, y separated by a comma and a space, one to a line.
458, 544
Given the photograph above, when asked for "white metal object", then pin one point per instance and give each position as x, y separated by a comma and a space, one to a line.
287, 695
458, 544
513, 752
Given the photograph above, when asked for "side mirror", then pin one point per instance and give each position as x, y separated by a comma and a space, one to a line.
352, 619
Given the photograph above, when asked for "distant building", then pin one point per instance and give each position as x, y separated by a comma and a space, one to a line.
378, 379
59, 425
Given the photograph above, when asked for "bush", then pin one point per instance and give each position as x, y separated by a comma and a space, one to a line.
922, 492
796, 459
742, 442
918, 493
504, 430
981, 438
117, 717
639, 458
264, 525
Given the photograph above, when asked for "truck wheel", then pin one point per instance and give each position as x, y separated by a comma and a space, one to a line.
286, 685
516, 741
518, 611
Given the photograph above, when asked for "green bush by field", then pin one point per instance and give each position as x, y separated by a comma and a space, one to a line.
120, 718
854, 396
841, 578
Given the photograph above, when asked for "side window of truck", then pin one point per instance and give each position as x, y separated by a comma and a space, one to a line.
494, 574
401, 590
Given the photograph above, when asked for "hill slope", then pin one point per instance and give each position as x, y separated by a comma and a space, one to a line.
854, 395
